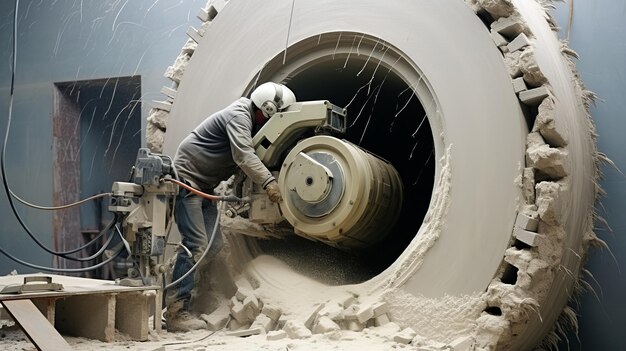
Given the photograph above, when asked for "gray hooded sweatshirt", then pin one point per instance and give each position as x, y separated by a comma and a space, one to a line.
212, 152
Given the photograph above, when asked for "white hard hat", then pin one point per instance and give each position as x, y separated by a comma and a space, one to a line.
271, 97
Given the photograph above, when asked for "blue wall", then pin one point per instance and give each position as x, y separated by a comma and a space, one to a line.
64, 41
598, 35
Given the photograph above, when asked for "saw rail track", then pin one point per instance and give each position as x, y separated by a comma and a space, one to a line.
555, 161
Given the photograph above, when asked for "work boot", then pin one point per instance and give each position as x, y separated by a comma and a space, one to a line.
183, 321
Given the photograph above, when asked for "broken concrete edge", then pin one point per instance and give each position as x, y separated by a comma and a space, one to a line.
492, 329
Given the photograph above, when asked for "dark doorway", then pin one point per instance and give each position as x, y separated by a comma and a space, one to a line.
96, 134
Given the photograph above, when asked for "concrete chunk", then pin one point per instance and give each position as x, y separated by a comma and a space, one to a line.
527, 237
245, 332
217, 319
526, 222
169, 92
333, 311
519, 85
325, 325
252, 303
381, 320
380, 308
243, 293
193, 34
521, 41
534, 97
364, 313
354, 325
264, 322
498, 39
296, 330
528, 185
463, 343
508, 26
552, 130
549, 202
162, 105
276, 335
240, 313
313, 316
272, 312
405, 336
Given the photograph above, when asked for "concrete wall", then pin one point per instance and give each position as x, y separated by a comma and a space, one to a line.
64, 41
598, 35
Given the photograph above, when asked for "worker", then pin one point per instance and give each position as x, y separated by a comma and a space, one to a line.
210, 154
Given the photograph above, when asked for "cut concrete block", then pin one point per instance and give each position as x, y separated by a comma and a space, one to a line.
553, 130
193, 34
527, 237
282, 320
162, 105
380, 308
313, 316
276, 335
169, 92
252, 303
215, 7
354, 325
521, 41
364, 314
244, 293
381, 320
508, 26
240, 313
296, 330
203, 15
325, 325
333, 311
405, 336
345, 299
264, 322
351, 312
217, 319
498, 39
519, 85
272, 312
463, 343
233, 301
534, 97
245, 332
526, 222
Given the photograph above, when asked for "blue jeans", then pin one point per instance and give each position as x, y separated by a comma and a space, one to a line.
195, 217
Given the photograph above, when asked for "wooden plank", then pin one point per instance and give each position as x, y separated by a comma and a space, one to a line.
72, 286
38, 329
89, 316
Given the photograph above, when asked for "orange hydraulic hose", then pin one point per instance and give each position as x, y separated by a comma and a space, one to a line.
203, 194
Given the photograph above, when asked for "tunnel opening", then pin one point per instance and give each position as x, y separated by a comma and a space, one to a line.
385, 118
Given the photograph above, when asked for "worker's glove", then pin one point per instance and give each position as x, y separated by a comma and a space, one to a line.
273, 192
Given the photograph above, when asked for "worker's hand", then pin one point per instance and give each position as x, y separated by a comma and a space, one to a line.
273, 192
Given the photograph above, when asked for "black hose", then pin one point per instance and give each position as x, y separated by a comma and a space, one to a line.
62, 254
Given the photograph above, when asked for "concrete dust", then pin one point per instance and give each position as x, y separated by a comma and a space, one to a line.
15, 340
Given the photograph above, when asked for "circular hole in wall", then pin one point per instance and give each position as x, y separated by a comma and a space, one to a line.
385, 117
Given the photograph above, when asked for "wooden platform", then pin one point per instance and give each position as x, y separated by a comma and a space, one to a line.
88, 308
